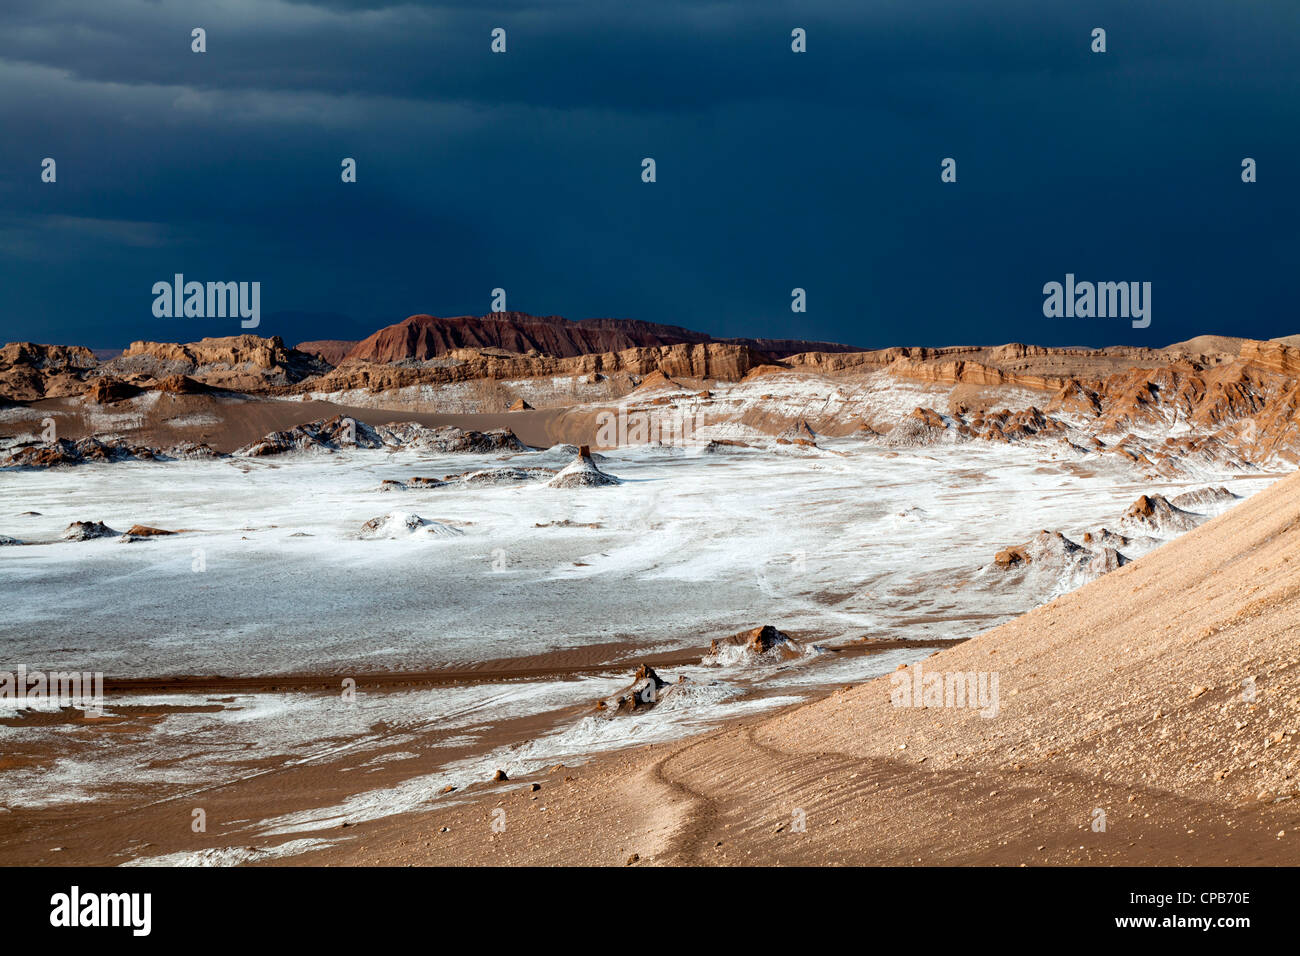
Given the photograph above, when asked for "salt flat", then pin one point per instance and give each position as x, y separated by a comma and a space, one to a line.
834, 544
687, 548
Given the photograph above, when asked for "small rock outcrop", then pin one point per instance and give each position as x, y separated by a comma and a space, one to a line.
722, 446
1012, 557
181, 385
1203, 498
448, 438
923, 426
1104, 538
190, 451
88, 531
144, 531
759, 643
401, 524
1106, 560
80, 452
1052, 554
501, 476
560, 455
322, 435
800, 433
337, 433
582, 473
1154, 513
646, 690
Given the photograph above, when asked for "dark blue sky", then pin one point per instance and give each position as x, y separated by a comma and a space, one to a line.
775, 169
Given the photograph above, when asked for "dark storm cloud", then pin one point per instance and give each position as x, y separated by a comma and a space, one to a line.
776, 170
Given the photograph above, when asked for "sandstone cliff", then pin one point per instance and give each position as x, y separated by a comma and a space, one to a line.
240, 362
709, 361
29, 372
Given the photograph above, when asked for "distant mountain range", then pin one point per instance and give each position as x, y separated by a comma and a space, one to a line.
423, 337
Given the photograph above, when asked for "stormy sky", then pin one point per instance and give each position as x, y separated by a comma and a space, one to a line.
775, 170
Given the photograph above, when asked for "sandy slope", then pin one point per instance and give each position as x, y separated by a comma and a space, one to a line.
1125, 696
